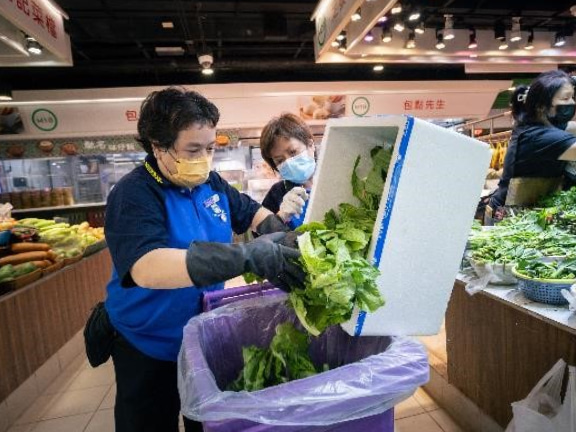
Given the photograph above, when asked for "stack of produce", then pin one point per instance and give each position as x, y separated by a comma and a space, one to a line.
523, 239
25, 258
68, 241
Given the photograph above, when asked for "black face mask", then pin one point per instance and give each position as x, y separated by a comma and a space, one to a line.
564, 114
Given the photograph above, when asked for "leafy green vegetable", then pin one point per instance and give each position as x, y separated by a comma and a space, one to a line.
339, 278
285, 360
251, 278
558, 269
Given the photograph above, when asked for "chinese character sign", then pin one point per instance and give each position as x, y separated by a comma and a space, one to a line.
40, 20
414, 105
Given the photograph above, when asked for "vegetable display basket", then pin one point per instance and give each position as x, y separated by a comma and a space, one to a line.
68, 261
21, 282
95, 247
56, 266
547, 291
502, 272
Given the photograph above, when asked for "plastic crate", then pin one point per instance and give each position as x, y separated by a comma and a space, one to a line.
214, 299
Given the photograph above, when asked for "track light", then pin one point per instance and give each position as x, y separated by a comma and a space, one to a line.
207, 71
448, 33
382, 19
411, 42
559, 40
369, 37
356, 16
335, 44
420, 29
32, 46
414, 15
386, 35
343, 44
5, 95
503, 45
399, 26
396, 9
440, 41
378, 68
530, 42
473, 44
341, 36
515, 34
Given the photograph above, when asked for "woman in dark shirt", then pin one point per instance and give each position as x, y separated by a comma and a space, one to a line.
539, 146
287, 145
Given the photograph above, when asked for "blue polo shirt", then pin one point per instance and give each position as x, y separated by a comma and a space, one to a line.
146, 212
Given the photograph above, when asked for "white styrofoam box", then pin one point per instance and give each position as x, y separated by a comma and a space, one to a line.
432, 189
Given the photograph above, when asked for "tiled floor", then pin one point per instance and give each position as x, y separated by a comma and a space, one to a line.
82, 399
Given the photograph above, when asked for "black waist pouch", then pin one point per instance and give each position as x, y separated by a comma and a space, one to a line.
99, 335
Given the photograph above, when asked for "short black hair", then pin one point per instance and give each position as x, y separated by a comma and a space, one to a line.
165, 113
530, 104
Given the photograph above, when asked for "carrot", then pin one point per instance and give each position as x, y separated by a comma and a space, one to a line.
29, 247
23, 257
48, 263
40, 264
52, 256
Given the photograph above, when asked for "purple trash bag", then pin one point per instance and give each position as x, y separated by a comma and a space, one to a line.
368, 375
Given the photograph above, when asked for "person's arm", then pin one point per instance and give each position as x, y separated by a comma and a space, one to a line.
259, 217
162, 269
569, 154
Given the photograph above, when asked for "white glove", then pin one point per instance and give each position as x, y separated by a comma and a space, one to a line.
293, 203
570, 296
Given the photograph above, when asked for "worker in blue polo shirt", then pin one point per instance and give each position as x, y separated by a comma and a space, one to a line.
169, 228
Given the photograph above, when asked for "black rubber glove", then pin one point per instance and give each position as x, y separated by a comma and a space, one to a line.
271, 224
210, 263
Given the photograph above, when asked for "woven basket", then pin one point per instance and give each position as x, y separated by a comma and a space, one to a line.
546, 291
21, 282
56, 266
68, 261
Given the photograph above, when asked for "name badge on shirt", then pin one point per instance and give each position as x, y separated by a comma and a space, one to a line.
212, 204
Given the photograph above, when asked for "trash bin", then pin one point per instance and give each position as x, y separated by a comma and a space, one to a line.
367, 376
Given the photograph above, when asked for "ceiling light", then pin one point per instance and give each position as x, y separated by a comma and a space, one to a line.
399, 26
448, 33
386, 35
369, 37
341, 36
5, 95
503, 45
207, 71
382, 19
335, 44
363, 55
420, 29
559, 40
396, 9
414, 15
530, 43
511, 89
342, 48
473, 44
440, 41
473, 55
515, 34
356, 16
167, 24
411, 42
378, 68
32, 46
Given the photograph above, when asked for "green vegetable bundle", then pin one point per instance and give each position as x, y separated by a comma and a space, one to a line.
339, 277
565, 269
287, 359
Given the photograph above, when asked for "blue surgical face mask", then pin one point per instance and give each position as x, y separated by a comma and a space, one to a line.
298, 169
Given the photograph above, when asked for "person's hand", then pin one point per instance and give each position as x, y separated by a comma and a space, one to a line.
209, 263
267, 257
293, 203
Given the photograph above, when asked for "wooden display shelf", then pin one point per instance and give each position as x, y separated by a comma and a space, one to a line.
37, 320
499, 345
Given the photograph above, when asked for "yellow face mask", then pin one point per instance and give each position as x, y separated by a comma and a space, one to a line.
191, 172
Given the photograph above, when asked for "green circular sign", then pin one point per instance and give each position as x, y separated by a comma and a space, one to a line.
360, 106
44, 119
322, 33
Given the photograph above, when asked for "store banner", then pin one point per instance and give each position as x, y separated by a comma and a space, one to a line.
328, 18
41, 20
423, 105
